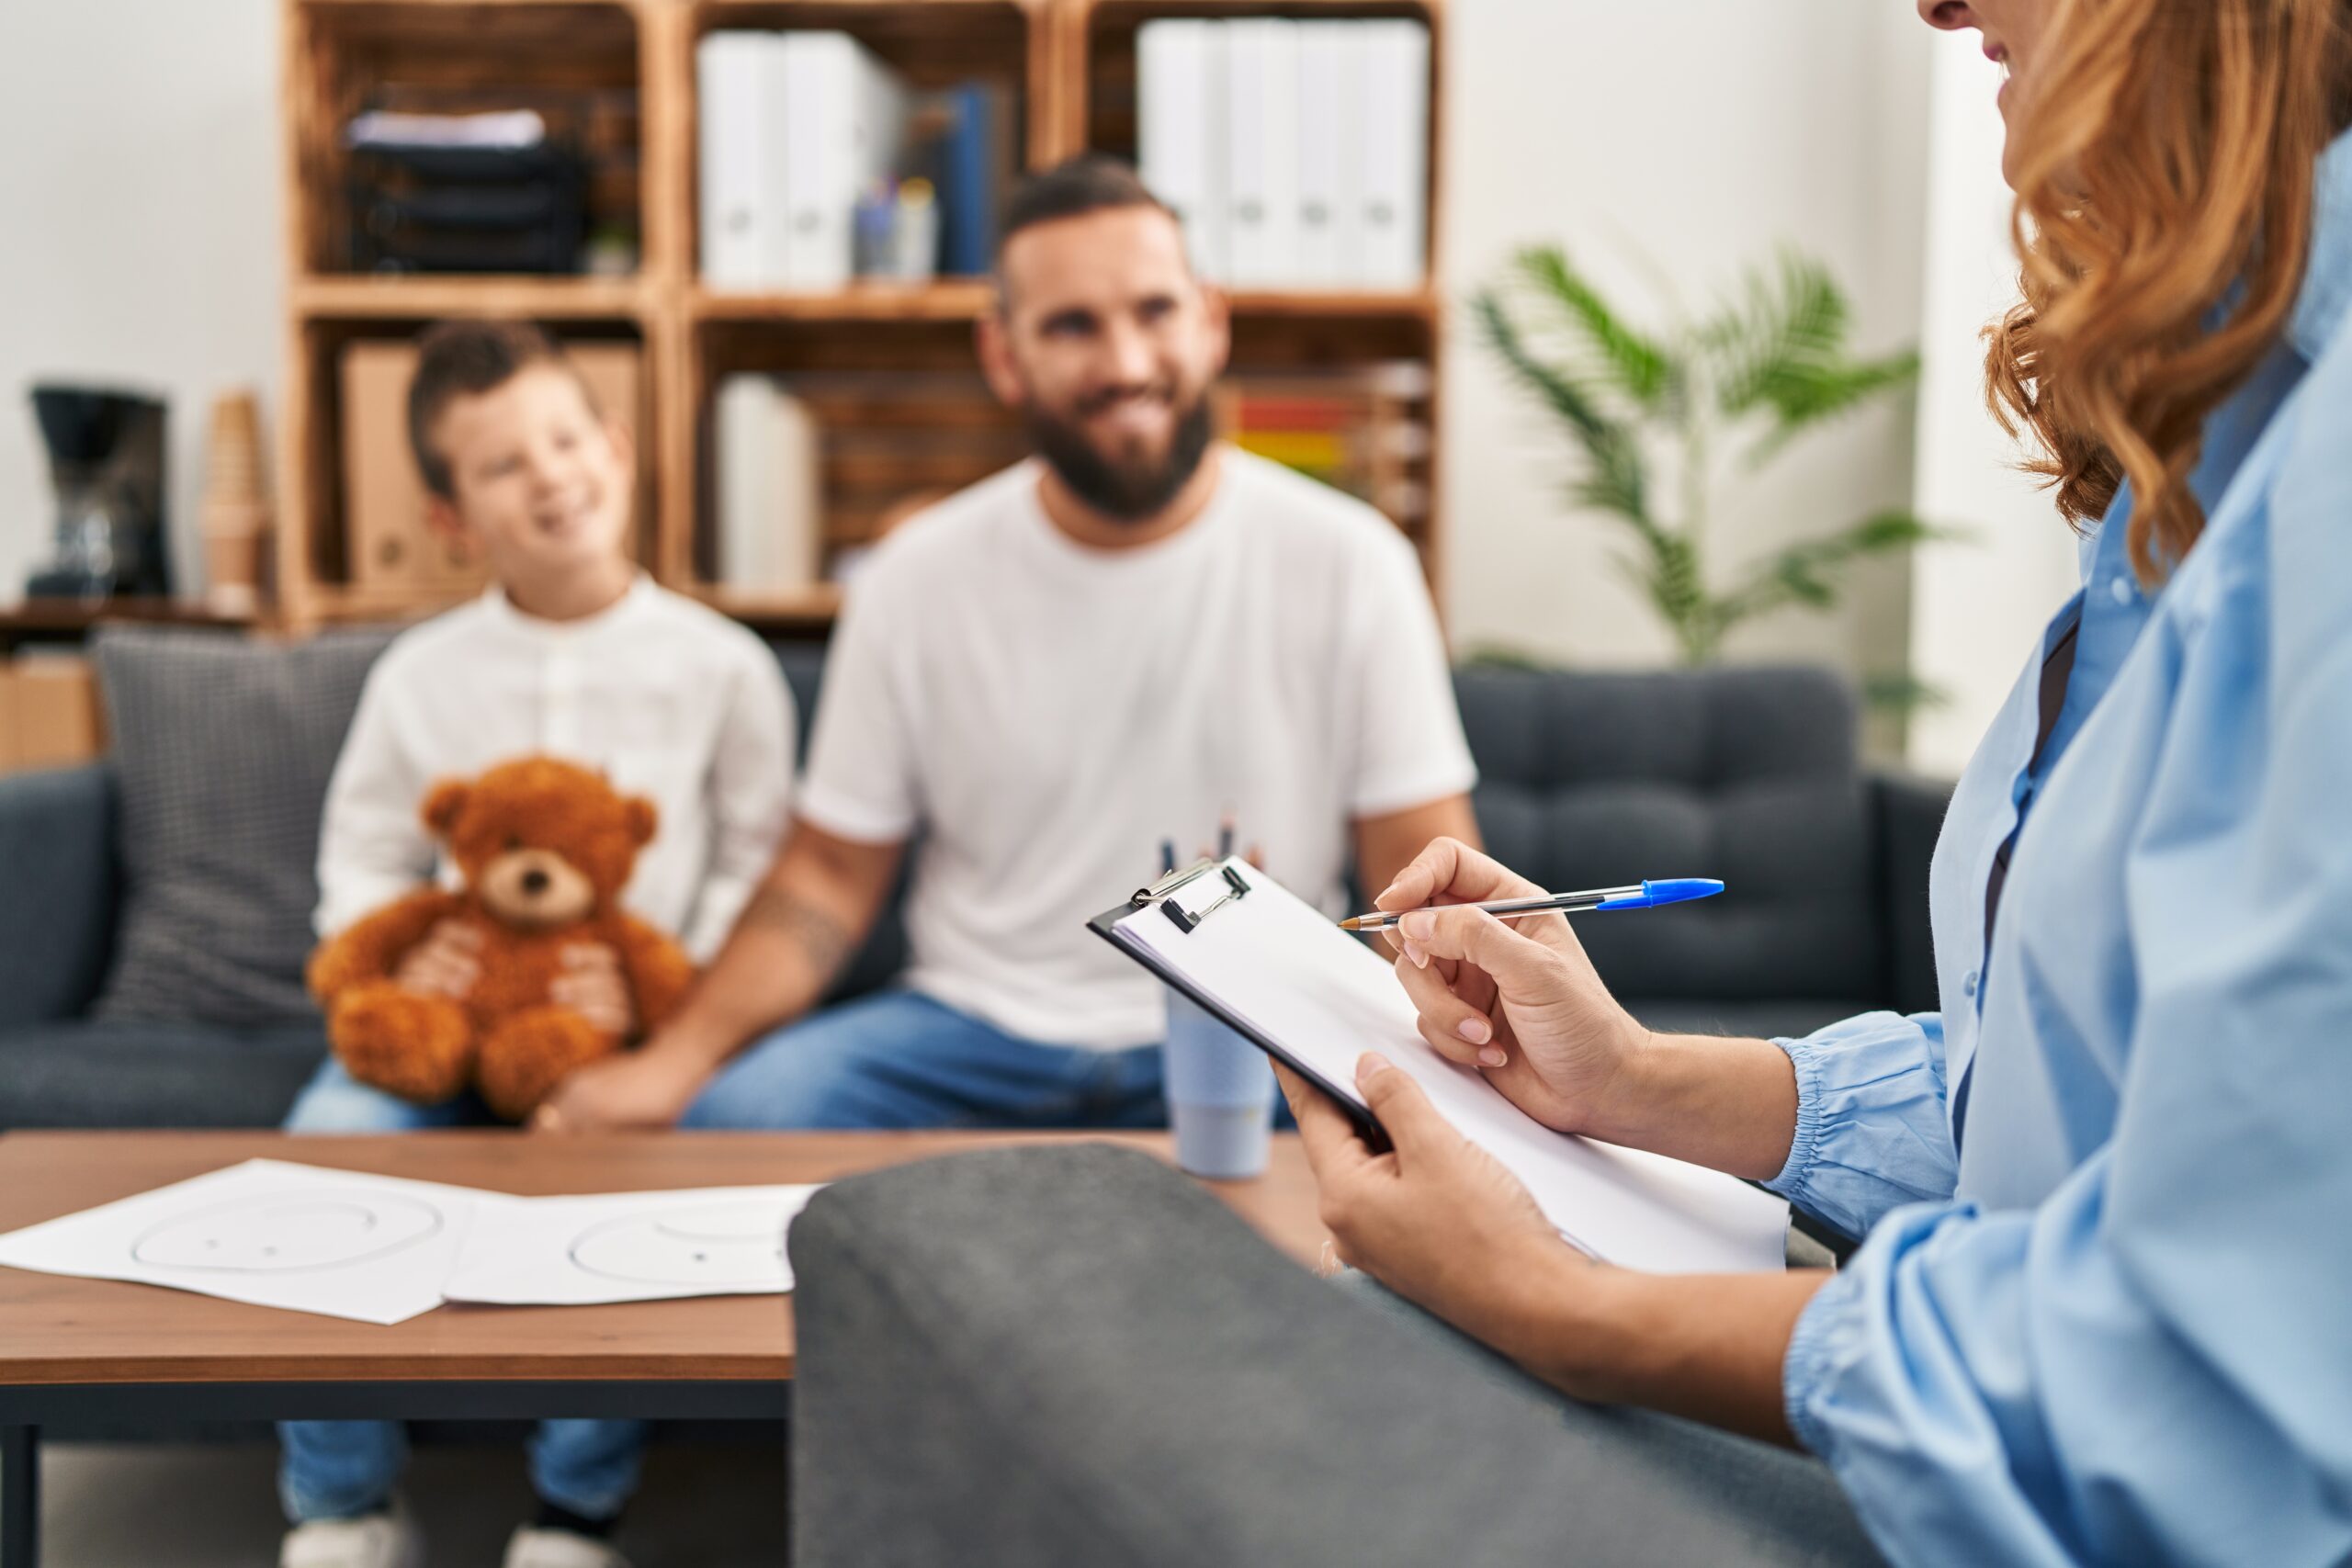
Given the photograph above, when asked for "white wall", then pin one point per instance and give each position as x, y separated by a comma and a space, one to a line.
1693, 136
1696, 135
1976, 608
139, 189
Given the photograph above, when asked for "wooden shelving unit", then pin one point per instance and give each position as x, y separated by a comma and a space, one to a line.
1072, 63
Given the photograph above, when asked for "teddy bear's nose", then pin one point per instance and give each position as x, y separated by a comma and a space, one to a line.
535, 880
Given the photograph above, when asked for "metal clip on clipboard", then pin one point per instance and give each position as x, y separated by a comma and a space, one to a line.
1205, 877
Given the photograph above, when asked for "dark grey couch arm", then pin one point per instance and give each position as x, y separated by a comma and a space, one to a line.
57, 891
1072, 1356
1910, 813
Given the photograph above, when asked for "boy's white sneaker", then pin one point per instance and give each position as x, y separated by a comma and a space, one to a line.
374, 1541
535, 1547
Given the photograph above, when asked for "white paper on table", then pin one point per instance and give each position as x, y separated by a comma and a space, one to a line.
1288, 971
371, 1248
627, 1247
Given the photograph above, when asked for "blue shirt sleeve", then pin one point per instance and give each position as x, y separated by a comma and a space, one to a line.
1871, 1130
2154, 1363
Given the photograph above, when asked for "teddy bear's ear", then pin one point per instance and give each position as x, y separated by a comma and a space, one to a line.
442, 804
642, 819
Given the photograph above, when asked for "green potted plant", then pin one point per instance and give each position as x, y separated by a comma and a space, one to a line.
1646, 412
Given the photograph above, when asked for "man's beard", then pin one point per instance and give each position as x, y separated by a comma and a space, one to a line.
1127, 491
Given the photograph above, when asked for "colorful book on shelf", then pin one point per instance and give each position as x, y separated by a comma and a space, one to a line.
1363, 431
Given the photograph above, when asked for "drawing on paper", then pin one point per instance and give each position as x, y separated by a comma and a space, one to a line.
733, 1246
290, 1233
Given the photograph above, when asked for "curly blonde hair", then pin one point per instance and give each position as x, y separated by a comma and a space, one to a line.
2164, 215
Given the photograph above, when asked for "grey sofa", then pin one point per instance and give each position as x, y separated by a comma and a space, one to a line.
1588, 779
1074, 1358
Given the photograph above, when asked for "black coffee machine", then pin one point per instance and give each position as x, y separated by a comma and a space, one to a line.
105, 458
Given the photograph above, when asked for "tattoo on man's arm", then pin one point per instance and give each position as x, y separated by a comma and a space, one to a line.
822, 936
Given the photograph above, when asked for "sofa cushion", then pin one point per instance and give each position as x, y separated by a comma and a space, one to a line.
139, 1074
1745, 774
222, 748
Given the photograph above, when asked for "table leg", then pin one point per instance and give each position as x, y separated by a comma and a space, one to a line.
20, 1496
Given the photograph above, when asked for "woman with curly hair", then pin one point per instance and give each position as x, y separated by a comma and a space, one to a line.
2101, 1311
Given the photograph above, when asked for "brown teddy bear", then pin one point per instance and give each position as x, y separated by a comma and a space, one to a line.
545, 848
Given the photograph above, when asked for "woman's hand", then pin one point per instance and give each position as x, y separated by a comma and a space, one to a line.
1441, 1223
1437, 1219
1519, 1000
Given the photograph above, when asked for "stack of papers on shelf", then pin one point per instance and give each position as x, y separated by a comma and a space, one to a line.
508, 130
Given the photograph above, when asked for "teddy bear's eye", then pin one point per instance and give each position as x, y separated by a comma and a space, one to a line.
514, 842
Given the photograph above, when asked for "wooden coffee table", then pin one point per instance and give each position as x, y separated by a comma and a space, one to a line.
104, 1350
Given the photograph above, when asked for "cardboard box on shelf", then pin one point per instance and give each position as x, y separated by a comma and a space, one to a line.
48, 711
389, 547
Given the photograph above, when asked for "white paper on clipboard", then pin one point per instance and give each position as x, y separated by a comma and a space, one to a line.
1279, 968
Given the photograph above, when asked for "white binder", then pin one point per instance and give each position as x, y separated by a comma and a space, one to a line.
769, 492
1282, 974
739, 113
1396, 123
844, 117
1180, 130
1330, 152
1262, 159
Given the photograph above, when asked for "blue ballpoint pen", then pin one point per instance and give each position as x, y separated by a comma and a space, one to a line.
1641, 896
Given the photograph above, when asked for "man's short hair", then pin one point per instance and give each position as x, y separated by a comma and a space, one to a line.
463, 359
1092, 182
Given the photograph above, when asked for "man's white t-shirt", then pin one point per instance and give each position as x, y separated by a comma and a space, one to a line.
670, 700
1040, 716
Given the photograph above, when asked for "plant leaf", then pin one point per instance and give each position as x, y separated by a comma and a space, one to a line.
1807, 574
1559, 391
1638, 366
1780, 351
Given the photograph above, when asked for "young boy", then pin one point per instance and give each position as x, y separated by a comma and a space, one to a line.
572, 652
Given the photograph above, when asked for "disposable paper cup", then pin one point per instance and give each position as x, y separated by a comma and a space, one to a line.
1220, 1095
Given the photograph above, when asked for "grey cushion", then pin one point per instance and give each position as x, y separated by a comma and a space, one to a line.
136, 1074
57, 906
1071, 1355
1745, 774
222, 749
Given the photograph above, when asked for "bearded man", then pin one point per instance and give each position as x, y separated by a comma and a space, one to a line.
1036, 683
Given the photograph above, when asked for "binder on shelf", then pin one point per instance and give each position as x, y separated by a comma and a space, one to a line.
1280, 974
1331, 180
844, 119
1394, 119
740, 124
975, 166
1262, 157
768, 501
1181, 82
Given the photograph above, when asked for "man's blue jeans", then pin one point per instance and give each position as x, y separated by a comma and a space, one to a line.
901, 1060
337, 1469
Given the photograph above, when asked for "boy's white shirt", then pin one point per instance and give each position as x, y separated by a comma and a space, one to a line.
672, 701
1040, 717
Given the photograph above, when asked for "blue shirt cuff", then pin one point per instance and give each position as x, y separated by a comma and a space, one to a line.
1824, 1330
1806, 1060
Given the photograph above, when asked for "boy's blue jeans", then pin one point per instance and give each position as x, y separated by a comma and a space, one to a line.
894, 1060
336, 1469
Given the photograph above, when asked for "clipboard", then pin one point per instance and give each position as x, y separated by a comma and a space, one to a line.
1188, 897
1283, 974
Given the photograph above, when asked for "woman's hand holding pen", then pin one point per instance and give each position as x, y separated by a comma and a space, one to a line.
1519, 1000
